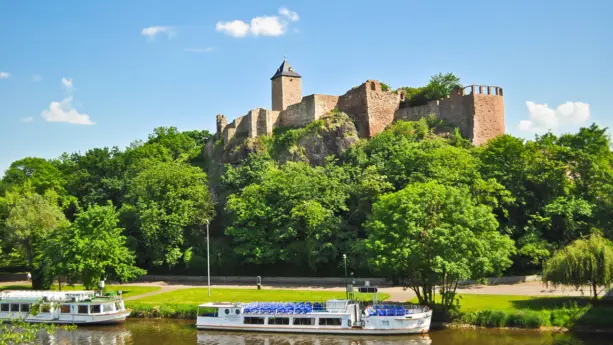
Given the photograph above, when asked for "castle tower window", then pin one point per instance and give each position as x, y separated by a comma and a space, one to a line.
373, 86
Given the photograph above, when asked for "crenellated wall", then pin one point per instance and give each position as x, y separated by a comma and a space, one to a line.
477, 111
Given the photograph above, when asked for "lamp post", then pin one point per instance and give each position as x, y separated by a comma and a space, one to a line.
345, 261
208, 259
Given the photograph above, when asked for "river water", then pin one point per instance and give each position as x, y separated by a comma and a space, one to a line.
167, 332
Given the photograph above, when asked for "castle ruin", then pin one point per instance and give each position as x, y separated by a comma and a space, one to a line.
477, 110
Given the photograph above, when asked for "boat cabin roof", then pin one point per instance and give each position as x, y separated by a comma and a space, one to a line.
53, 296
220, 305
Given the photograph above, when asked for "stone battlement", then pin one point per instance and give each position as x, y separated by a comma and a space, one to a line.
477, 110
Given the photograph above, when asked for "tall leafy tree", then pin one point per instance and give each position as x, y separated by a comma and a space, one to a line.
291, 215
429, 235
168, 199
31, 219
40, 174
90, 250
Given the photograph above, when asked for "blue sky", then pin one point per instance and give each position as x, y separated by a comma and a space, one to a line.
81, 74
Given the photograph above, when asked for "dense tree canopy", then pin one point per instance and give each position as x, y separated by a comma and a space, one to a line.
168, 199
276, 217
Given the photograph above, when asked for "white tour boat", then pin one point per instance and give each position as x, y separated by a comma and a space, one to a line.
62, 307
331, 317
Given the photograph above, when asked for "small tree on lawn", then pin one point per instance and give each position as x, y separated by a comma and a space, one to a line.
583, 262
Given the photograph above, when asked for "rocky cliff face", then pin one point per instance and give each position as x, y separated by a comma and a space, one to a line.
330, 135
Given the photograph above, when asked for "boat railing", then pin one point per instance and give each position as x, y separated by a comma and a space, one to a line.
284, 307
394, 309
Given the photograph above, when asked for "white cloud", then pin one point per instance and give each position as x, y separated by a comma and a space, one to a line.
153, 31
37, 77
267, 26
293, 16
199, 50
237, 28
64, 112
27, 119
543, 118
67, 83
4, 75
259, 26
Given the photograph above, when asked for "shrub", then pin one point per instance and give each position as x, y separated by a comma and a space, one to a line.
500, 318
197, 265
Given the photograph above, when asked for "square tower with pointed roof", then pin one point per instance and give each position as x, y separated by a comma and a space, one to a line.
286, 87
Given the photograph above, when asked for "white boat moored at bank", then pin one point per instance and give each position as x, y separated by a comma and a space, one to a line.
62, 307
331, 317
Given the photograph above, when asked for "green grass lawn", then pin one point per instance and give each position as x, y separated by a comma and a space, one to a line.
471, 303
184, 303
127, 290
195, 296
533, 311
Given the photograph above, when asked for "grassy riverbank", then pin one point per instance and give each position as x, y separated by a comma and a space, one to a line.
127, 290
184, 303
531, 312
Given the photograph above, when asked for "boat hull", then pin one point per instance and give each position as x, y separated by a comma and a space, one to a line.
93, 320
345, 331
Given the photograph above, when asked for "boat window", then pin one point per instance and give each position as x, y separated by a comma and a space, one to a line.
65, 309
83, 309
253, 321
118, 306
4, 307
208, 312
385, 323
303, 321
45, 308
14, 307
107, 308
95, 308
328, 321
227, 311
25, 308
278, 320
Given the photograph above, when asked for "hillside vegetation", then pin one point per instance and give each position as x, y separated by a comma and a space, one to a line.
294, 203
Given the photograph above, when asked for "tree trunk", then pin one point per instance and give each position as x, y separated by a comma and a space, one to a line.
595, 289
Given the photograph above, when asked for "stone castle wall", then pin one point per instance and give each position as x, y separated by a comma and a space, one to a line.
487, 122
478, 112
381, 105
353, 103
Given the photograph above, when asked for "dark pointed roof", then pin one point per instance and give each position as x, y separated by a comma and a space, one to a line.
285, 70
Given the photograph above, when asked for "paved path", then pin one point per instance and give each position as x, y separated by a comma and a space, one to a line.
396, 293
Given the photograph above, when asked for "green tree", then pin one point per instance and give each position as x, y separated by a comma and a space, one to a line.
92, 249
31, 219
441, 85
39, 173
429, 234
292, 215
168, 199
586, 261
